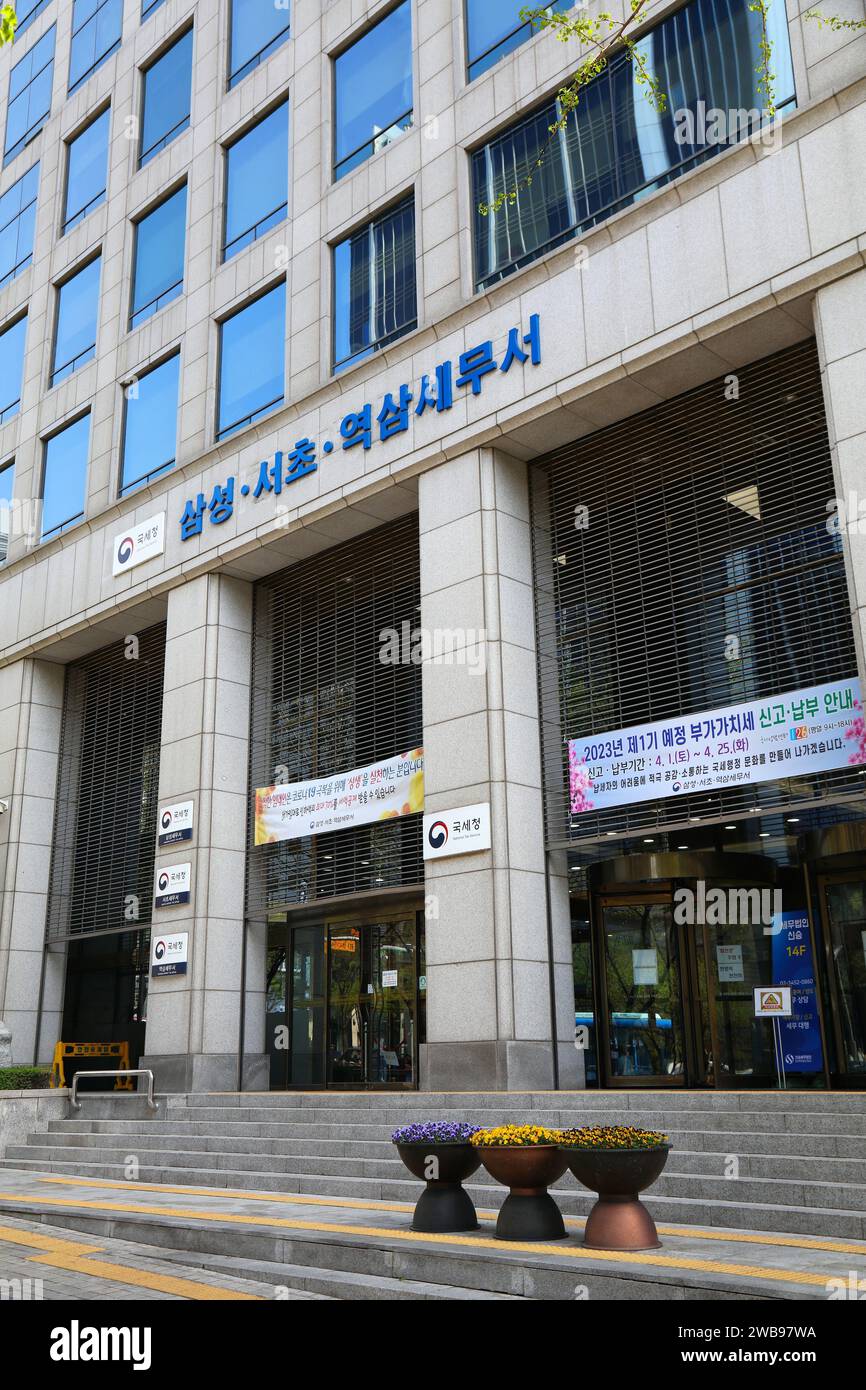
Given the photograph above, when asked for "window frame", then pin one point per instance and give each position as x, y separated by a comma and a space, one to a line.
24, 24
8, 412
231, 144
389, 209
81, 359
146, 155
148, 7
234, 78
238, 425
405, 122
125, 489
174, 291
45, 441
103, 58
21, 266
523, 24
67, 224
9, 154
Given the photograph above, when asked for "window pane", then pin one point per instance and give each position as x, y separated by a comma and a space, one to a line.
251, 361
167, 104
374, 275
11, 368
30, 94
257, 180
258, 27
87, 170
27, 11
373, 82
7, 482
77, 308
616, 147
159, 251
149, 6
97, 26
17, 224
150, 435
494, 28
65, 477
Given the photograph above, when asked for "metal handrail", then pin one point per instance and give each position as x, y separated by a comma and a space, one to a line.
136, 1071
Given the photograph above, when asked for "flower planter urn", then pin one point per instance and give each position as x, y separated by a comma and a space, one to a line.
528, 1212
443, 1205
619, 1220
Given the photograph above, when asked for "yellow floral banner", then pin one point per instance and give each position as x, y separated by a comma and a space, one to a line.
382, 791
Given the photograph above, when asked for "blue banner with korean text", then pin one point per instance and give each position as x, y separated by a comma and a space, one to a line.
794, 965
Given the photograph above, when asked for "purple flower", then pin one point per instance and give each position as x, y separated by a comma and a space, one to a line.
435, 1132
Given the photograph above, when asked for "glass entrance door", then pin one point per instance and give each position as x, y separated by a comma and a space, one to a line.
373, 1002
843, 903
344, 1001
643, 968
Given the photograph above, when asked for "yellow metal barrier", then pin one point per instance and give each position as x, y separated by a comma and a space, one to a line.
63, 1050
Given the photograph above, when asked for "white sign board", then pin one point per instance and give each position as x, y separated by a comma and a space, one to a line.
804, 731
730, 963
645, 967
142, 541
175, 823
773, 1002
169, 954
389, 979
173, 885
382, 791
463, 831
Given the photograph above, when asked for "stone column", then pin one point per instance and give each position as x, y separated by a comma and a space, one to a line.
840, 327
194, 1020
498, 943
31, 708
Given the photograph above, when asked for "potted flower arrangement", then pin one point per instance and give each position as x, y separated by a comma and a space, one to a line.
440, 1153
618, 1162
525, 1159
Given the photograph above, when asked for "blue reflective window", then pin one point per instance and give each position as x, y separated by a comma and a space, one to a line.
65, 477
616, 147
160, 244
86, 171
374, 285
97, 27
150, 428
30, 94
77, 313
373, 90
27, 11
257, 181
257, 29
167, 98
148, 7
252, 357
17, 225
7, 484
11, 368
494, 28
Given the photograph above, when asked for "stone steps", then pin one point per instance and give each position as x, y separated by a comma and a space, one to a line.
801, 1158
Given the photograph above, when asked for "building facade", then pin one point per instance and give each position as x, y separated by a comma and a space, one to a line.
433, 583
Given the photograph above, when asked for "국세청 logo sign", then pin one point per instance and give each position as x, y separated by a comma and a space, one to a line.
137, 544
169, 954
172, 885
175, 823
465, 830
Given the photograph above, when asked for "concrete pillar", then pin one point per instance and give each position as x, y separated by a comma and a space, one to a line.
840, 327
496, 942
31, 708
194, 1020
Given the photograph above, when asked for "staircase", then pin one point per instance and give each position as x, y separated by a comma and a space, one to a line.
785, 1162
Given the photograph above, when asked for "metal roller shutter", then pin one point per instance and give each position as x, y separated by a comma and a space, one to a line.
108, 789
324, 702
684, 562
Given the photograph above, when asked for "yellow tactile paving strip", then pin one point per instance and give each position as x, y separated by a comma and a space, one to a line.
649, 1259
361, 1204
73, 1257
